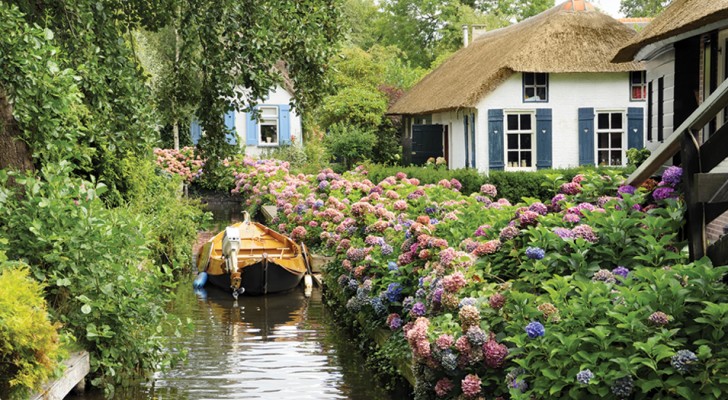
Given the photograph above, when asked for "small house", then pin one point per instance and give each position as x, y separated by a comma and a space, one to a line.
685, 51
277, 124
542, 93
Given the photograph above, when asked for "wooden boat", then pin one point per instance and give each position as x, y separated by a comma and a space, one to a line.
252, 258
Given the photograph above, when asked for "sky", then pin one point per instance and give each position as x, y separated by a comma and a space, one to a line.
610, 7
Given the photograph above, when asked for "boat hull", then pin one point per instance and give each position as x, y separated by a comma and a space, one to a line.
258, 280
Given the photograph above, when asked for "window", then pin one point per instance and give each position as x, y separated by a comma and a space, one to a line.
610, 138
535, 87
519, 141
637, 85
268, 127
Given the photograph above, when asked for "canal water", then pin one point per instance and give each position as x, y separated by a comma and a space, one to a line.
278, 346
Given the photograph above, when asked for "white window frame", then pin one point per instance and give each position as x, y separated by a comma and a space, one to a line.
535, 86
610, 131
642, 84
269, 122
507, 131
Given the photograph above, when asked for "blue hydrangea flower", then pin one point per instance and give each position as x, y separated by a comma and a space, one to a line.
394, 292
392, 266
683, 361
449, 360
468, 301
535, 253
387, 249
584, 376
379, 307
535, 329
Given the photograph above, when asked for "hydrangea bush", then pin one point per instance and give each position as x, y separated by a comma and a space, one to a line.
585, 296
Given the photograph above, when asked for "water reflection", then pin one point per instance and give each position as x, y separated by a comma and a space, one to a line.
280, 346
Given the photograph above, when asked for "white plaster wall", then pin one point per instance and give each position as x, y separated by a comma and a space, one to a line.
277, 96
456, 129
567, 93
662, 65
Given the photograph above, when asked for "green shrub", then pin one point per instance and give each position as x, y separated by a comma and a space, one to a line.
95, 263
350, 143
29, 341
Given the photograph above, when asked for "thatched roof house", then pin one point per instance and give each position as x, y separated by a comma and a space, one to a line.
538, 94
680, 17
571, 37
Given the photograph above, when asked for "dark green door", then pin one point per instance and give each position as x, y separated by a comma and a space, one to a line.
426, 143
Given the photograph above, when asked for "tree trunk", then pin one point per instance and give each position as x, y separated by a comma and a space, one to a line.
14, 152
175, 134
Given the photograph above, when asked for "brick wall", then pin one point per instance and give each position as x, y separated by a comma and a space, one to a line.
715, 229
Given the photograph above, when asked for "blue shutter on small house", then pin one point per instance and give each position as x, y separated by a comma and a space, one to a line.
467, 147
284, 124
251, 129
495, 139
544, 138
635, 128
231, 136
586, 136
195, 132
472, 140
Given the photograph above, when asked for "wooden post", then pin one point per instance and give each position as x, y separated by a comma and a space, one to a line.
695, 215
77, 367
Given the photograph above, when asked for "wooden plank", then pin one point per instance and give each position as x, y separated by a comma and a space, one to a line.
77, 367
711, 187
318, 279
695, 213
269, 212
713, 211
715, 149
695, 122
718, 251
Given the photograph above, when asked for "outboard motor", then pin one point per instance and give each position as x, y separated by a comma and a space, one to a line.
230, 248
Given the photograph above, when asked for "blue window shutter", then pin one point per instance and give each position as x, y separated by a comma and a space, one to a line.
251, 129
586, 136
232, 135
635, 128
544, 138
195, 132
284, 124
495, 139
467, 147
472, 140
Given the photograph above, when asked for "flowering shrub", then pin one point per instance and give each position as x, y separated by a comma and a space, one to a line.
183, 162
583, 296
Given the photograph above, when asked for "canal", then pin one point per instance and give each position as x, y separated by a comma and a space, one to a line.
279, 346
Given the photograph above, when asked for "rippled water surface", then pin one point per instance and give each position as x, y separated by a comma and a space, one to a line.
280, 346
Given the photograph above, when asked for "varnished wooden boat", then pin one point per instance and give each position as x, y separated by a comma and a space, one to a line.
265, 261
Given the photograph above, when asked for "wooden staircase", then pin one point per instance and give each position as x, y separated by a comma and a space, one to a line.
705, 176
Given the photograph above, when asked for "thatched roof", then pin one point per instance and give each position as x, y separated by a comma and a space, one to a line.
679, 17
571, 37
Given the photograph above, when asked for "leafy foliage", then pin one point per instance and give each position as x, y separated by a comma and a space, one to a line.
350, 143
29, 341
642, 8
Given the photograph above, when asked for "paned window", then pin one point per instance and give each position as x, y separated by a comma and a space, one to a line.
638, 85
519, 141
268, 127
535, 87
610, 138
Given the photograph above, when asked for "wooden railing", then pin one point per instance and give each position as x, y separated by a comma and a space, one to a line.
706, 192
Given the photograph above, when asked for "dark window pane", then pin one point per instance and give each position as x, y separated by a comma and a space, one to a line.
616, 121
616, 142
528, 78
540, 79
635, 77
269, 133
526, 141
512, 157
603, 140
525, 159
603, 158
616, 158
512, 122
512, 142
525, 122
530, 93
541, 93
603, 121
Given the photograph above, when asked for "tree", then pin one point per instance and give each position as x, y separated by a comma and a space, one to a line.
642, 8
511, 9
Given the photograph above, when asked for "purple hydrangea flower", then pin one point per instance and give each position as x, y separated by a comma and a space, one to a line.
683, 361
621, 271
628, 189
584, 376
662, 193
418, 310
564, 233
535, 253
387, 249
535, 329
672, 176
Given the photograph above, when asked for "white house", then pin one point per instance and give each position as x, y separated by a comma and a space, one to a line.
542, 93
278, 124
